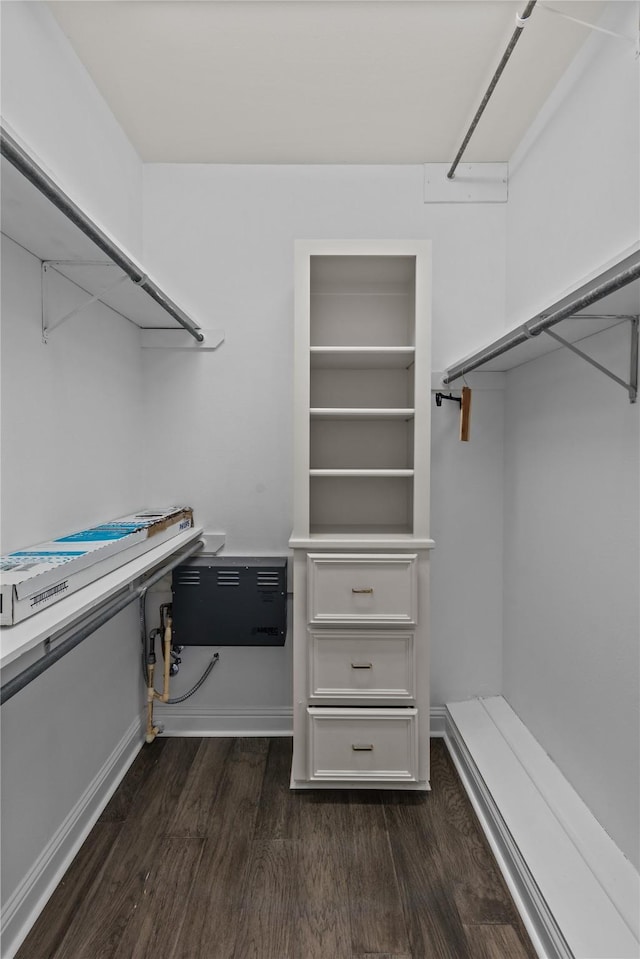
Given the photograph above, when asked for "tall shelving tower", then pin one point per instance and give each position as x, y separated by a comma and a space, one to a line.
361, 514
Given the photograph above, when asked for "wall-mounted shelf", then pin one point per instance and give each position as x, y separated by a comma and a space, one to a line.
611, 297
39, 216
15, 641
360, 472
361, 357
357, 413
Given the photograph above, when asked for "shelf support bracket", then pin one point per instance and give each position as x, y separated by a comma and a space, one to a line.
632, 386
47, 265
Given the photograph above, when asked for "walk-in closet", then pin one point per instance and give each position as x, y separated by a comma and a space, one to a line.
320, 479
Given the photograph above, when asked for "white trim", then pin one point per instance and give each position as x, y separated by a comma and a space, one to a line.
225, 721
29, 899
543, 931
617, 876
438, 722
572, 898
268, 721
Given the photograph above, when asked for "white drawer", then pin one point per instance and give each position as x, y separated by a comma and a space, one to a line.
377, 745
362, 588
362, 666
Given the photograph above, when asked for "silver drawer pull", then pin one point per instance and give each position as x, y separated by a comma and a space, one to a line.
361, 665
364, 589
362, 747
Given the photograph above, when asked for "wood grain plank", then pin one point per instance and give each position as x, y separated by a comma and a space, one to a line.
377, 916
495, 942
118, 807
267, 918
157, 921
319, 874
215, 901
478, 889
99, 924
433, 922
53, 922
156, 800
278, 815
323, 927
192, 817
101, 919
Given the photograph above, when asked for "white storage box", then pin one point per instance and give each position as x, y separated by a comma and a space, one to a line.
33, 578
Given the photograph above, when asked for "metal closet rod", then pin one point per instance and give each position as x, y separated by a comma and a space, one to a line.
13, 686
517, 33
532, 328
21, 160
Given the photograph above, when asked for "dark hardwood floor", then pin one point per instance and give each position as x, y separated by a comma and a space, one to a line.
205, 853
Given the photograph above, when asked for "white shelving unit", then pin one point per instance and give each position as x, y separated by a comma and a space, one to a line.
608, 297
16, 641
39, 216
361, 514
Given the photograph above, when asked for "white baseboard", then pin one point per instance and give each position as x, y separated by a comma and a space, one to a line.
267, 721
224, 721
574, 888
29, 899
438, 720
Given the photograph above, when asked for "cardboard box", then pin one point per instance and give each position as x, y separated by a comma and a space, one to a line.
33, 578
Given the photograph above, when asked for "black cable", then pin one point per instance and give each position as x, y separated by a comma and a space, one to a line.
181, 699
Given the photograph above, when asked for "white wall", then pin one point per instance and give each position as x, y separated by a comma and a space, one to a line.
71, 410
70, 456
59, 735
71, 414
571, 626
224, 237
50, 103
574, 188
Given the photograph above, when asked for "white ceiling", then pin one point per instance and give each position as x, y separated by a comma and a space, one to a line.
320, 81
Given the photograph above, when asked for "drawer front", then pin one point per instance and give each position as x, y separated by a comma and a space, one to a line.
361, 589
361, 666
363, 744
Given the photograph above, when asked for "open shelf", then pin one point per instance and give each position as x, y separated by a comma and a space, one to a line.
362, 301
361, 442
362, 357
17, 640
375, 388
360, 472
356, 413
367, 499
40, 217
360, 459
607, 298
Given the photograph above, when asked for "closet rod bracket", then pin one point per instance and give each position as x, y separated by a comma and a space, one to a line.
47, 265
443, 396
632, 386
